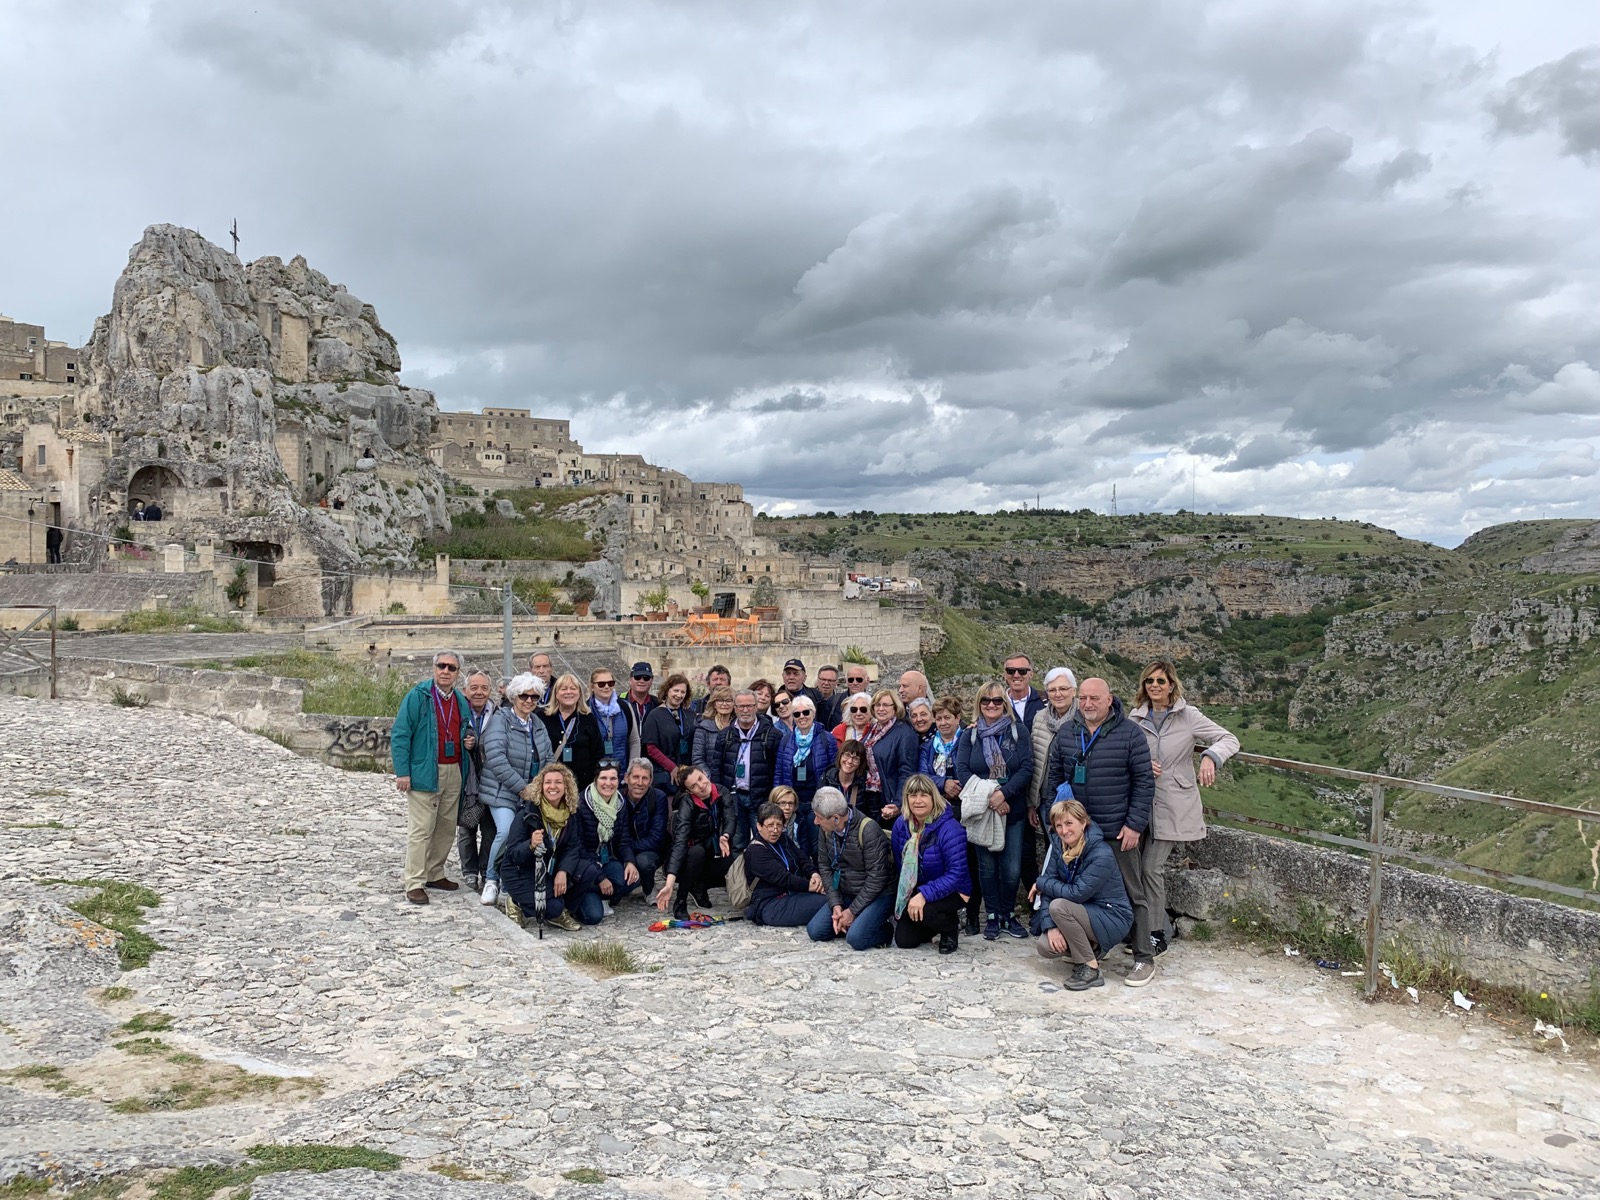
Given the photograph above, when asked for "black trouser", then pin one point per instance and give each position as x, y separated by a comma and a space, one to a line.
938, 916
472, 845
974, 905
701, 872
1030, 857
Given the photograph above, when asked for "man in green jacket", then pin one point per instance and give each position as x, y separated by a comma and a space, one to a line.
427, 745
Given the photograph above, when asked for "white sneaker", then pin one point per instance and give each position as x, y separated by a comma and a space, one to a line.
491, 892
605, 907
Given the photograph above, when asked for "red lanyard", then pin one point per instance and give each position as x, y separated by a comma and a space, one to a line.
447, 724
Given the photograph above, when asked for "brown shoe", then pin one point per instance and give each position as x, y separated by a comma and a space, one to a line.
417, 896
443, 885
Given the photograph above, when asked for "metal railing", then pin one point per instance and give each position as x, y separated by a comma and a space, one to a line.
1377, 851
20, 654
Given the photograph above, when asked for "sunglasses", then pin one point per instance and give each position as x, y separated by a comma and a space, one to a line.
857, 711
645, 677
605, 683
1153, 682
805, 712
1019, 670
857, 679
445, 667
994, 700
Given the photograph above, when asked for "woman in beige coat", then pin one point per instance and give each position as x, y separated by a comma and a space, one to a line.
1175, 729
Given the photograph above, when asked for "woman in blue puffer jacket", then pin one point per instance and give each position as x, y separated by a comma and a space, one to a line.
1088, 909
515, 746
930, 855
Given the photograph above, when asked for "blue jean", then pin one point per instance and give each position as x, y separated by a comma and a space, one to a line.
1000, 872
744, 820
648, 862
502, 828
867, 931
583, 896
796, 908
613, 871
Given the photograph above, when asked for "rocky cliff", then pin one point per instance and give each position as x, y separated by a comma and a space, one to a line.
259, 404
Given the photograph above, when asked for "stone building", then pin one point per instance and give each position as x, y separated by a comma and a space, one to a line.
27, 356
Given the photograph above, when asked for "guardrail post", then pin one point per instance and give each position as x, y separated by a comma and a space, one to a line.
52, 652
1374, 889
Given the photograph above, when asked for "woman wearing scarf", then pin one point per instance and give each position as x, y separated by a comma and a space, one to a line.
515, 746
604, 837
544, 838
702, 829
1088, 908
619, 725
1061, 702
787, 889
668, 734
848, 773
573, 730
999, 750
804, 756
940, 754
855, 718
930, 855
891, 747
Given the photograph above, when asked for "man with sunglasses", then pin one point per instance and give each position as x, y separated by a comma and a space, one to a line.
639, 701
1025, 701
426, 747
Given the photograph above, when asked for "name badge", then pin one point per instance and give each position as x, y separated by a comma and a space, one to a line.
683, 749
738, 770
800, 773
1080, 773
449, 749
609, 752
566, 755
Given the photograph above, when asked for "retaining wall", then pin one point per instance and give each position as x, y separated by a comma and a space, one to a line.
1494, 936
241, 698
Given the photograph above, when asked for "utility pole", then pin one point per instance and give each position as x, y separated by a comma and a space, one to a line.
506, 664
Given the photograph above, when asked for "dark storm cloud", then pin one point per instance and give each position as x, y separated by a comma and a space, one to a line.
889, 256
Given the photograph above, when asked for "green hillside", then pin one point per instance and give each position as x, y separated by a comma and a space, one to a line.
1508, 545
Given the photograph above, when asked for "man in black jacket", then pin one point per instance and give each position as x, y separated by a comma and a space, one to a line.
1106, 759
742, 761
856, 864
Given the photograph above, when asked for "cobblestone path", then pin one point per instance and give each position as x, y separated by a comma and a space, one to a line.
740, 1061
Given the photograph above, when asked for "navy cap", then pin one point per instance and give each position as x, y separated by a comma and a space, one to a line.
642, 670
794, 662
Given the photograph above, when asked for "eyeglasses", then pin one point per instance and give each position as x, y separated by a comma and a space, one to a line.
994, 700
1019, 670
1154, 682
607, 764
857, 711
805, 712
856, 679
645, 677
445, 667
528, 696
605, 683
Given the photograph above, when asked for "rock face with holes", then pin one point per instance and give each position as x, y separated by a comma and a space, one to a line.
258, 404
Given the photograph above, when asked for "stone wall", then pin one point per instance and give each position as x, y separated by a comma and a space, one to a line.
834, 621
241, 698
1494, 936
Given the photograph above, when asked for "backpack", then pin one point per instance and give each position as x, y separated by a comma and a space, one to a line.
740, 889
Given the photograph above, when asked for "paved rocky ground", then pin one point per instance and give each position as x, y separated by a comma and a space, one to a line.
741, 1060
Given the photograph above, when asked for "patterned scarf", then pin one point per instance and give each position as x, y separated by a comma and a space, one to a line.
555, 816
908, 873
605, 811
989, 734
870, 739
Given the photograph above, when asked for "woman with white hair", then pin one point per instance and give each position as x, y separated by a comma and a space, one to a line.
515, 746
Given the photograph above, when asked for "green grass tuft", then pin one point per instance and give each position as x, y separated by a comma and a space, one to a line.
192, 620
117, 905
604, 958
584, 1175
148, 1022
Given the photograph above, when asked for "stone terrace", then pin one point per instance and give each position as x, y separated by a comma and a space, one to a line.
742, 1061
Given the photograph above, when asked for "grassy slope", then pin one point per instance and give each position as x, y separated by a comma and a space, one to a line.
1508, 545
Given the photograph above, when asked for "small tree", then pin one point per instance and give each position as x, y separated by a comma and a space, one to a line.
765, 595
581, 590
701, 590
656, 599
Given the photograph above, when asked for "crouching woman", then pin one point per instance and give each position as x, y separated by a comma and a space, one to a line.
1088, 907
930, 854
787, 888
543, 852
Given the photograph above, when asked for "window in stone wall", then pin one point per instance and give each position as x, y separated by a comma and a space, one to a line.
41, 454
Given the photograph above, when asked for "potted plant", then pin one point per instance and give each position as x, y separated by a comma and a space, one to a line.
764, 600
582, 593
543, 592
238, 589
655, 603
702, 593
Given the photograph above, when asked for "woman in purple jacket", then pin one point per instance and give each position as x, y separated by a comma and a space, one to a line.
930, 854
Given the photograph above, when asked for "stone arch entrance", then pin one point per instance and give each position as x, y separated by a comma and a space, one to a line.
154, 485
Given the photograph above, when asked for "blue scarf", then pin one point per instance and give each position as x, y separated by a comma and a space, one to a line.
618, 724
802, 743
989, 734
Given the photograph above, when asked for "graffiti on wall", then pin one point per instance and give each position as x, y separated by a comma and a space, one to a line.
355, 738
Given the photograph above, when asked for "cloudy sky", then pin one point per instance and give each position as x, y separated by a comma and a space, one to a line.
1326, 258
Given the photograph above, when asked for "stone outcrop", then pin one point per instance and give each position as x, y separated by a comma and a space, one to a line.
259, 404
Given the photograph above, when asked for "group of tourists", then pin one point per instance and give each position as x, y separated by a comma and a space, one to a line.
877, 815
